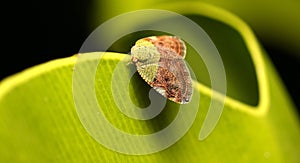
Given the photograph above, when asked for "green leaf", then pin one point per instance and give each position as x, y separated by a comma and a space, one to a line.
40, 121
273, 21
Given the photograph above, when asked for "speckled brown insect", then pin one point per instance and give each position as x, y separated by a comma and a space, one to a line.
160, 62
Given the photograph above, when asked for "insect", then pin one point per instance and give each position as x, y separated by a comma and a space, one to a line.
160, 62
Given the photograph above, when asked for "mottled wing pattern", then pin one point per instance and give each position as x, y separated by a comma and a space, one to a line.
147, 71
169, 42
172, 78
160, 62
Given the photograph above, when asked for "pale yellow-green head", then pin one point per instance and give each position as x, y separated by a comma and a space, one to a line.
146, 58
144, 52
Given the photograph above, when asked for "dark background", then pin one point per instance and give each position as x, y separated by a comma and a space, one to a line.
35, 32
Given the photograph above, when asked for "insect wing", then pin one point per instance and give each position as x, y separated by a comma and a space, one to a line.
169, 42
172, 78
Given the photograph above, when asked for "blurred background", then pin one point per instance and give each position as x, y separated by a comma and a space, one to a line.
35, 32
